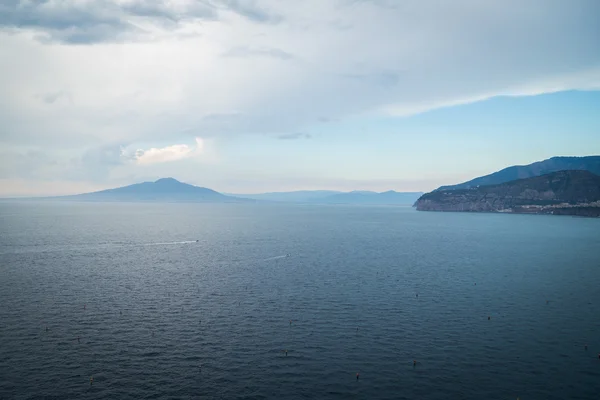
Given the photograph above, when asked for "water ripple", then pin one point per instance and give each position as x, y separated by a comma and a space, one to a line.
129, 297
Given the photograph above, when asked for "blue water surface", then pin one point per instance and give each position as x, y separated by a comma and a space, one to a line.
490, 306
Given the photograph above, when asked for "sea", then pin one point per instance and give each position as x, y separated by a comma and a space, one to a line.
275, 301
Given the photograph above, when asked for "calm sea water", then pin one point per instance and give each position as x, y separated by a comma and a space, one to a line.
161, 316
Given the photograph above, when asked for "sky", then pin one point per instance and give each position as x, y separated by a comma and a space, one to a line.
249, 96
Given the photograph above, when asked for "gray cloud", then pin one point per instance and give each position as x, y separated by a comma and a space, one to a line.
95, 164
293, 136
244, 51
23, 165
249, 9
53, 97
391, 4
109, 155
75, 22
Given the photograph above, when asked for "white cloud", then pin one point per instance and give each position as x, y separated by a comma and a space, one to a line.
170, 153
139, 73
584, 80
286, 76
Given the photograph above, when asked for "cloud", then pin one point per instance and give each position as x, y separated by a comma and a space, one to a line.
94, 76
97, 163
23, 164
396, 61
243, 51
93, 164
53, 97
88, 21
175, 152
585, 80
392, 4
292, 136
325, 120
250, 10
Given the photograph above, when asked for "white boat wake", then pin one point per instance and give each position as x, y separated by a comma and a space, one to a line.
276, 257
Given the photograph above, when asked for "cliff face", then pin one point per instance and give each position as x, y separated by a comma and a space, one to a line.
554, 164
563, 192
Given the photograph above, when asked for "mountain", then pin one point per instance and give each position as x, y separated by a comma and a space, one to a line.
333, 197
165, 189
554, 164
301, 196
358, 197
574, 192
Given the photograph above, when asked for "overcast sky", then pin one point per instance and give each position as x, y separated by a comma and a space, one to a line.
249, 96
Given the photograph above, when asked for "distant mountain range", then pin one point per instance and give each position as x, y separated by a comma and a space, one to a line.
554, 164
572, 192
300, 196
385, 198
172, 190
559, 185
331, 197
166, 189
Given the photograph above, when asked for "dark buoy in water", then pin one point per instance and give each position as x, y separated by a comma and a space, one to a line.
414, 363
489, 318
357, 376
585, 346
91, 380
197, 240
286, 352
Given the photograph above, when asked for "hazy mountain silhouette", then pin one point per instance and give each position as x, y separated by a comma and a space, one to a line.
172, 190
365, 197
299, 196
165, 189
333, 197
554, 164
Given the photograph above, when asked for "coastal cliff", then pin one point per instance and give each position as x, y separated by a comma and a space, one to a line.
561, 193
